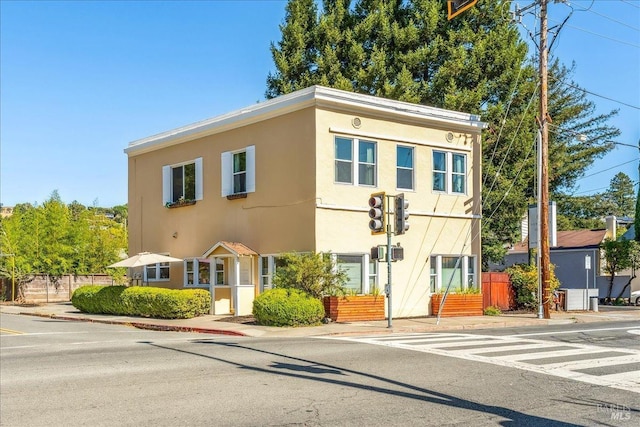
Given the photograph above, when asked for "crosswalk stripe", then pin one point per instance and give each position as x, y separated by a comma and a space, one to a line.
558, 353
506, 348
594, 363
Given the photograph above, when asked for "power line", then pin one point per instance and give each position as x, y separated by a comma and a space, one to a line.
598, 189
608, 169
606, 17
600, 96
630, 4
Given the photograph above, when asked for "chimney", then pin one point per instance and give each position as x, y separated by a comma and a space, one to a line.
611, 227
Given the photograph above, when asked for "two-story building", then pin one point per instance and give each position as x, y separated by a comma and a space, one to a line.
230, 194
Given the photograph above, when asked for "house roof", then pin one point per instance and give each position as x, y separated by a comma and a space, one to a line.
312, 96
234, 248
572, 239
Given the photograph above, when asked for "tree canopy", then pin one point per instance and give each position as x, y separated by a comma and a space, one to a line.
477, 63
57, 239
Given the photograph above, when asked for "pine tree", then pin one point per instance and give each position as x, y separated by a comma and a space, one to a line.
476, 63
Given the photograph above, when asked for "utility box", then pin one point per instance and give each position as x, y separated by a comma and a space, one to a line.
578, 299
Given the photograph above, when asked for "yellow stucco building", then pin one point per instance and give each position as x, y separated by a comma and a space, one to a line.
230, 194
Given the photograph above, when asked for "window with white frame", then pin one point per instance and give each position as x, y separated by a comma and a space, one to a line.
344, 160
196, 272
156, 272
453, 271
353, 267
362, 273
238, 171
346, 150
182, 181
219, 276
404, 165
268, 266
449, 172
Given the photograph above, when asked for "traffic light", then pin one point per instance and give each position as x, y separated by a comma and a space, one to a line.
377, 224
456, 7
401, 214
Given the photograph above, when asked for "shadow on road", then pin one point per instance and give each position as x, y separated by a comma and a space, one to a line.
312, 371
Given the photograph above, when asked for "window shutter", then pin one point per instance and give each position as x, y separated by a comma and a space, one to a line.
199, 179
251, 169
227, 180
166, 185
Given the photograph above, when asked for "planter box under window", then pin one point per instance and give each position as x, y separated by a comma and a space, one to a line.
354, 308
457, 305
180, 204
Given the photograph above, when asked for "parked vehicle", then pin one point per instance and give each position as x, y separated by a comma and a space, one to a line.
635, 297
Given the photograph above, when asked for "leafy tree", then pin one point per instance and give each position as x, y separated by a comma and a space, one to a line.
620, 255
477, 63
524, 278
312, 273
57, 239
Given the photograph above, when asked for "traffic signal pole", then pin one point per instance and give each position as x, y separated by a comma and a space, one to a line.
388, 256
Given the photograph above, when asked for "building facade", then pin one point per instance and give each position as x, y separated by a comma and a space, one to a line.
230, 194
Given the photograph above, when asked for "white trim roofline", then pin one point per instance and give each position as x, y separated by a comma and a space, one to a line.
311, 96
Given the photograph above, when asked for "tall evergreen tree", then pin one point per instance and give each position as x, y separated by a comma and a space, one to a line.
620, 196
476, 63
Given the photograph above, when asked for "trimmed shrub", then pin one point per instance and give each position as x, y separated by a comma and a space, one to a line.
100, 299
287, 307
142, 301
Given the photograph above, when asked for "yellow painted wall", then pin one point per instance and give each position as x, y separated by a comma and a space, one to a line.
297, 206
439, 223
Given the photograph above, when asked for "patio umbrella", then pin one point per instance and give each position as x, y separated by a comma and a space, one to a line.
144, 258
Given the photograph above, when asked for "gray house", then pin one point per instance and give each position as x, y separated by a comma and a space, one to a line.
578, 261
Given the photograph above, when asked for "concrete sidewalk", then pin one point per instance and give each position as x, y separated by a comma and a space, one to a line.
213, 324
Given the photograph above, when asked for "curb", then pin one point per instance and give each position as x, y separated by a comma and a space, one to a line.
141, 325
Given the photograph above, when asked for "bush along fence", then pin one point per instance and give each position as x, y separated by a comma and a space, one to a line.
43, 289
152, 302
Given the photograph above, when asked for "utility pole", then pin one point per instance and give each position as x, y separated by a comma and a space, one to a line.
544, 145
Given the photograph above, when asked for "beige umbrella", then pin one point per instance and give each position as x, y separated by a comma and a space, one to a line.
144, 258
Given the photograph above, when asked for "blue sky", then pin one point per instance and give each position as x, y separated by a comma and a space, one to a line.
80, 80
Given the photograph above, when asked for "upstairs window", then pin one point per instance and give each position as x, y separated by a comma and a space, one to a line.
367, 163
182, 181
344, 160
346, 150
404, 165
238, 171
449, 172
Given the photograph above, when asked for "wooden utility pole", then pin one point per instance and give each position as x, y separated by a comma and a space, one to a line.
544, 188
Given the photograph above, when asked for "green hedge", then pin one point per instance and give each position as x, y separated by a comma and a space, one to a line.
142, 301
287, 307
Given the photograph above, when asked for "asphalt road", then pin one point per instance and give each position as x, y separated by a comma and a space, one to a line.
60, 373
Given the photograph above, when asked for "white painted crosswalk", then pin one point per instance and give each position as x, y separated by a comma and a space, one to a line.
604, 366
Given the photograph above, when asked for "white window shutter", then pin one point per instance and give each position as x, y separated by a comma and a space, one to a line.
251, 169
227, 179
199, 179
166, 185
